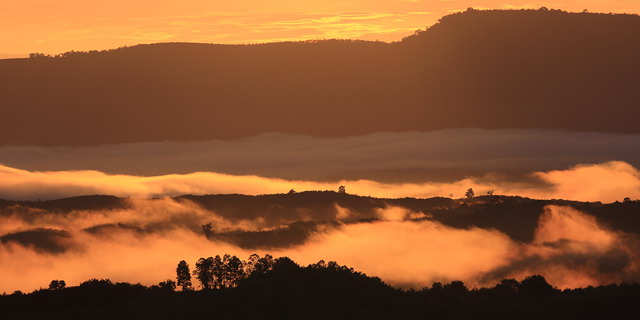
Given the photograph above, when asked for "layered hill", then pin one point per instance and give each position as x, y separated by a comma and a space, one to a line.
399, 240
489, 69
289, 219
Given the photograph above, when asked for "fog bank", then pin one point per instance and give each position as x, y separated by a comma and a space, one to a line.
570, 248
606, 182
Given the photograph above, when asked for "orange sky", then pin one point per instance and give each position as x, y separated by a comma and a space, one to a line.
62, 25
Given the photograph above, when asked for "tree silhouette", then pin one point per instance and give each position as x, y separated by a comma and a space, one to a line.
455, 287
167, 285
183, 275
207, 228
470, 194
57, 284
342, 189
97, 283
535, 286
34, 55
507, 287
204, 272
264, 264
250, 264
217, 272
319, 265
233, 271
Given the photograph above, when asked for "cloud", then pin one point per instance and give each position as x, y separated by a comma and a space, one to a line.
605, 182
418, 164
410, 253
572, 250
150, 215
569, 248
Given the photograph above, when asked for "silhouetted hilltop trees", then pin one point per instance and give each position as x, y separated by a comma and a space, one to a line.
286, 290
490, 69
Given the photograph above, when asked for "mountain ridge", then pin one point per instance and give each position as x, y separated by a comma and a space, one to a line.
490, 69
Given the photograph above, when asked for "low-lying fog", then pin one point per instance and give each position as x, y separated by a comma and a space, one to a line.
144, 241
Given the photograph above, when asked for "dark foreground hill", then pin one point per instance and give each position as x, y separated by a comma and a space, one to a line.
322, 291
489, 69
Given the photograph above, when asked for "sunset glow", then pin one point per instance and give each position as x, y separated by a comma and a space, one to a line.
54, 27
338, 159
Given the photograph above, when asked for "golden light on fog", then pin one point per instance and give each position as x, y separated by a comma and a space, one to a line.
403, 253
606, 182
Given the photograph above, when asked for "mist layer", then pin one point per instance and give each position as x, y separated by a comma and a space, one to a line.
606, 182
144, 241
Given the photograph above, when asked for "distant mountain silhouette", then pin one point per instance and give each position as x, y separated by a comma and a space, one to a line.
490, 69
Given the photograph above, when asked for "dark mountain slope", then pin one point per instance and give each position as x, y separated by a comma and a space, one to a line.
490, 69
534, 68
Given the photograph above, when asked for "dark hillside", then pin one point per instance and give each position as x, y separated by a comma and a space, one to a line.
530, 68
489, 69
